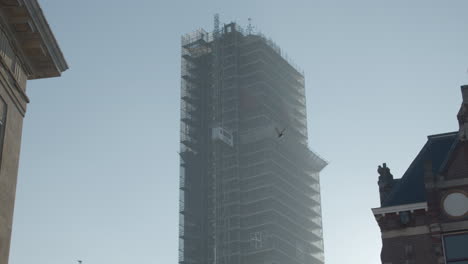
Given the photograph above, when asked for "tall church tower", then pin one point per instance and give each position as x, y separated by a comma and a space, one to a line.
249, 184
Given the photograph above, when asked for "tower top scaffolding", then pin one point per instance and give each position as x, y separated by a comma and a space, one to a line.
200, 35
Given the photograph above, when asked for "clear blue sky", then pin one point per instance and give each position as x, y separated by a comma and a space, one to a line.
98, 176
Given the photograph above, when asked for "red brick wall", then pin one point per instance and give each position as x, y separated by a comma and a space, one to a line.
415, 249
458, 166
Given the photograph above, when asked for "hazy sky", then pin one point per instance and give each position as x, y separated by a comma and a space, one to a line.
98, 176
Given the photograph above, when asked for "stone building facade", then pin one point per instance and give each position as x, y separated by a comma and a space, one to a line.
423, 216
28, 50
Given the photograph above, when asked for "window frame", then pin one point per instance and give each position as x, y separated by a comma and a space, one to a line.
453, 261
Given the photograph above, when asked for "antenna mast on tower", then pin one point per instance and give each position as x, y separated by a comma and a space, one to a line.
250, 27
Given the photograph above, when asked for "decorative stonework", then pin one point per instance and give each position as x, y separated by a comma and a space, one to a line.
32, 40
11, 61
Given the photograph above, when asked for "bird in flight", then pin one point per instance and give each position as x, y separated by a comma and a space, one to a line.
280, 133
79, 261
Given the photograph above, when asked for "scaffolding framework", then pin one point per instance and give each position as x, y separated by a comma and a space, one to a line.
245, 196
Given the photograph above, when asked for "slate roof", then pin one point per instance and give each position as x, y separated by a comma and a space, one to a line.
410, 188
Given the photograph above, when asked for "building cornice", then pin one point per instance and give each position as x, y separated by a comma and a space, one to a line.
34, 38
48, 37
399, 208
409, 231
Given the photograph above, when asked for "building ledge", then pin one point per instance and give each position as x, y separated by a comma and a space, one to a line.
38, 47
399, 208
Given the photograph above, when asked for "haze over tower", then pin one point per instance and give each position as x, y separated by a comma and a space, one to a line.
249, 185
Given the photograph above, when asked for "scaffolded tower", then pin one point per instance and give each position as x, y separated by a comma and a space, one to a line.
248, 194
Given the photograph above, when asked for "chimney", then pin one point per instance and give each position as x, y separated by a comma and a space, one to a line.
463, 115
464, 90
386, 183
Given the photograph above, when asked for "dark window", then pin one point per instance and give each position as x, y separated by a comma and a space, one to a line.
456, 249
405, 218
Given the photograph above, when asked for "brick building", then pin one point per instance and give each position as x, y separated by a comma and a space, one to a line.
423, 216
28, 50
